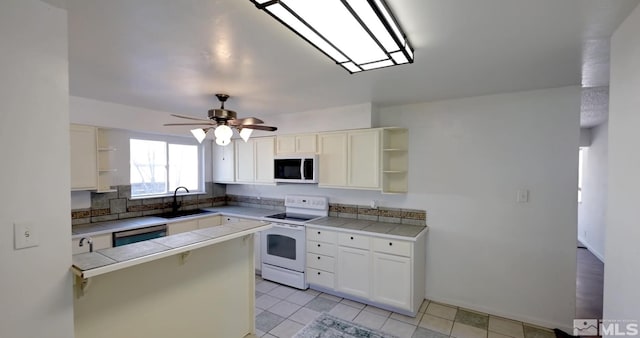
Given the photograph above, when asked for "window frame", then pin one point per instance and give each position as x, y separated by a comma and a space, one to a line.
169, 140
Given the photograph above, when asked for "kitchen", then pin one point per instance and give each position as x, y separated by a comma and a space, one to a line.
464, 166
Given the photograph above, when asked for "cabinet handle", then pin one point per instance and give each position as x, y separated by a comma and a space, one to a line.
318, 272
318, 257
390, 244
352, 237
318, 232
318, 245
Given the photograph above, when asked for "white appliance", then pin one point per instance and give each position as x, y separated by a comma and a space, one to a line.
295, 168
283, 246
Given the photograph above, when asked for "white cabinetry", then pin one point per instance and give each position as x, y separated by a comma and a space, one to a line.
208, 222
106, 160
395, 160
350, 159
84, 158
332, 160
382, 271
99, 242
254, 160
224, 163
296, 144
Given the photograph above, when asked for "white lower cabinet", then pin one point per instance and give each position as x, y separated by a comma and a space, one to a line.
392, 280
208, 222
352, 275
386, 272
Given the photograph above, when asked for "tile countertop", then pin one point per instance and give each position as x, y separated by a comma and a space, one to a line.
373, 228
99, 262
94, 229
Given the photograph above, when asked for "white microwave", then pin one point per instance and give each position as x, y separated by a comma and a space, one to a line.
295, 168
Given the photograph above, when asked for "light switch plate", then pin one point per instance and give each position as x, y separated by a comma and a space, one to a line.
25, 235
523, 196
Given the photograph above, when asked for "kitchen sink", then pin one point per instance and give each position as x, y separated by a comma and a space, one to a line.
184, 213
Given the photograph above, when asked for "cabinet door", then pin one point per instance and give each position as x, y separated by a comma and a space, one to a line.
257, 261
209, 222
84, 161
286, 144
224, 163
333, 159
179, 227
392, 280
364, 159
306, 144
245, 161
264, 151
353, 271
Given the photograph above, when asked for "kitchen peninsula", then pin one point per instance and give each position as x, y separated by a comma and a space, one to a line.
198, 283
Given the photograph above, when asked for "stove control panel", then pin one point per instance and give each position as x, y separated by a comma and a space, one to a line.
307, 202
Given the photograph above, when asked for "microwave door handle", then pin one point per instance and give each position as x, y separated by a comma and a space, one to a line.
302, 169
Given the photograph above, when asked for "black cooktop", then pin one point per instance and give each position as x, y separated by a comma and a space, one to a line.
292, 217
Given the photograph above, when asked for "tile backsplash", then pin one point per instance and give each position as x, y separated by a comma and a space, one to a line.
119, 205
381, 214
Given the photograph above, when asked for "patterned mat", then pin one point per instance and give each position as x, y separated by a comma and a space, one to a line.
327, 326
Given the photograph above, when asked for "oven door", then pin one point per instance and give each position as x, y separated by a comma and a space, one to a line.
283, 246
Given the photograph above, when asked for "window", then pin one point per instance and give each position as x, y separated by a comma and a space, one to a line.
159, 167
581, 155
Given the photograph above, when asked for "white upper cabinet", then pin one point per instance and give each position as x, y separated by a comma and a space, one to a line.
254, 160
350, 159
264, 152
332, 160
224, 163
84, 158
296, 144
364, 159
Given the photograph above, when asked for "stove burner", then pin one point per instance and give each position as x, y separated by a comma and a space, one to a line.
292, 217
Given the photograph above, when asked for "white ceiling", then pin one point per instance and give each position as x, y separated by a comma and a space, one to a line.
172, 55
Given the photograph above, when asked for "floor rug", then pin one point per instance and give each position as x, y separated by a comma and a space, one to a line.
327, 326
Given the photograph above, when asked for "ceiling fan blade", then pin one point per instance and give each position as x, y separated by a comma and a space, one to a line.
258, 127
190, 118
208, 123
246, 121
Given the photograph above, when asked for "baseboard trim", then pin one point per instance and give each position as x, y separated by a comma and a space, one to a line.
590, 248
526, 319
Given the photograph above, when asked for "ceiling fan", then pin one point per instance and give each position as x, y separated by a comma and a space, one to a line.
222, 120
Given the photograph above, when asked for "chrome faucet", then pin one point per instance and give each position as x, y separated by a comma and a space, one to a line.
89, 241
175, 206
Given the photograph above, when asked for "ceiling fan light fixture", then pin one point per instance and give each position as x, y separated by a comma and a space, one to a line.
223, 132
245, 133
361, 34
200, 134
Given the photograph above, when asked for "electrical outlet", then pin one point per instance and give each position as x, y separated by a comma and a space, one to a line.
25, 235
522, 196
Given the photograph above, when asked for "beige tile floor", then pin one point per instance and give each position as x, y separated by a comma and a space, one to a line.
281, 311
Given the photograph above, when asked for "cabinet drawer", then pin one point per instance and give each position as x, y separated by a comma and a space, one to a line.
320, 235
320, 262
321, 248
354, 241
392, 246
321, 278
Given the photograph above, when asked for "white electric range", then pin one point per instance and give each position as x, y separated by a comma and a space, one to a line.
283, 246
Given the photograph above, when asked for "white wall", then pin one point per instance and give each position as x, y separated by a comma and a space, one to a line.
35, 287
467, 159
592, 210
622, 249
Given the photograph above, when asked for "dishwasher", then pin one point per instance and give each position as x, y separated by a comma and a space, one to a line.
125, 237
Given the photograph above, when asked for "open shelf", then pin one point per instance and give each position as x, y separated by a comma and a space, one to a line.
395, 160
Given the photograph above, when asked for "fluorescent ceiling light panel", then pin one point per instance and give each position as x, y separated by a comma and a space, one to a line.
357, 34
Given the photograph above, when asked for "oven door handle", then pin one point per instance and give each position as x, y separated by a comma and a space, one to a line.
288, 226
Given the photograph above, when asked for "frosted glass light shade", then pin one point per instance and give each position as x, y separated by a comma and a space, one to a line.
199, 134
223, 132
361, 34
245, 133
